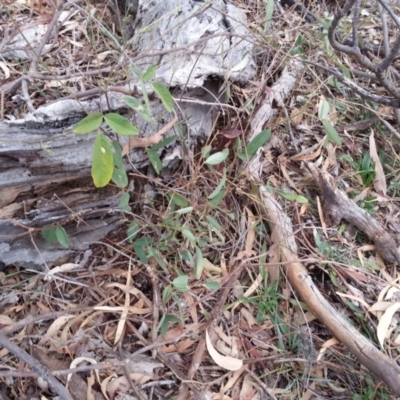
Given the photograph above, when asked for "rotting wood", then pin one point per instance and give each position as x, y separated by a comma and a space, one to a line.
45, 168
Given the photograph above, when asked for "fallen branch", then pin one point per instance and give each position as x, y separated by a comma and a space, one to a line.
282, 236
338, 206
36, 366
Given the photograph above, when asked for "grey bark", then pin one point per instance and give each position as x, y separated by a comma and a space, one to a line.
45, 168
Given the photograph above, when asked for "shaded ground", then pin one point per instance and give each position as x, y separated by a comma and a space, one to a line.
202, 251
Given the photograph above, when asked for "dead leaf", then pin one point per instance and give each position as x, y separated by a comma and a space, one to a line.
148, 141
122, 384
380, 179
226, 362
55, 328
384, 322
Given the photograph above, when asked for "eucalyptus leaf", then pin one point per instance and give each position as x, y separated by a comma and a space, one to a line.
324, 110
331, 132
292, 196
189, 235
199, 263
155, 160
217, 158
257, 142
179, 200
221, 184
164, 143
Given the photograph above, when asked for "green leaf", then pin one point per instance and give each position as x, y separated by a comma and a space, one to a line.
62, 236
269, 11
324, 110
165, 96
140, 108
257, 142
133, 230
164, 143
217, 158
166, 319
217, 199
331, 132
180, 283
189, 235
120, 124
167, 293
132, 102
155, 160
103, 161
88, 124
49, 233
214, 223
292, 196
212, 285
118, 161
179, 200
199, 263
139, 250
150, 73
119, 176
124, 202
221, 184
184, 210
137, 71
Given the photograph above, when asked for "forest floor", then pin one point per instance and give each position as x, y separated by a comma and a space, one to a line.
190, 299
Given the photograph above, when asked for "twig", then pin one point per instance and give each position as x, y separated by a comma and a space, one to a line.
157, 304
36, 366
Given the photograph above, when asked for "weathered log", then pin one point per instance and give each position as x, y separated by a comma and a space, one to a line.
45, 167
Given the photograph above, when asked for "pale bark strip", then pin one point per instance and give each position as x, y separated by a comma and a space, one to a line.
280, 91
282, 235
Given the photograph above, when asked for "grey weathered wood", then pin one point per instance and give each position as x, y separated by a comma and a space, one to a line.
45, 168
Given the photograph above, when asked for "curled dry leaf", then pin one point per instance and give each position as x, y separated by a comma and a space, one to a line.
77, 361
227, 362
62, 268
384, 322
122, 384
55, 328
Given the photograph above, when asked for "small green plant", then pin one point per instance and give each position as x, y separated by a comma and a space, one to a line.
55, 233
107, 163
331, 132
366, 169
